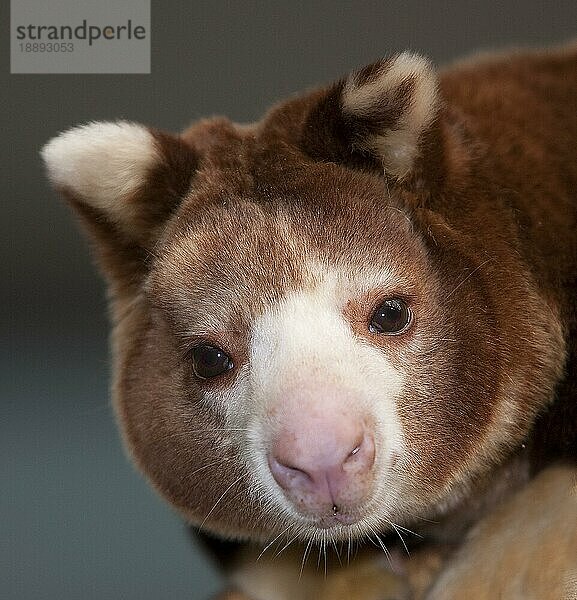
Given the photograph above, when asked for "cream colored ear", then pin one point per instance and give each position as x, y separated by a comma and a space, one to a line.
390, 105
124, 181
103, 165
122, 174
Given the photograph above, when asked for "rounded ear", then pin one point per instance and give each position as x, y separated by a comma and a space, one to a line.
386, 112
124, 180
389, 107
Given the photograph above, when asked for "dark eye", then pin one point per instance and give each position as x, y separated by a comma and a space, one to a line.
209, 361
393, 316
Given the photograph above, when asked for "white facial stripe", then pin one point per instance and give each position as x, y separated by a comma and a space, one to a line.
103, 163
307, 331
306, 336
305, 341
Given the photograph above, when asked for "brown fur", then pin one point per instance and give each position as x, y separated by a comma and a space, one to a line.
480, 237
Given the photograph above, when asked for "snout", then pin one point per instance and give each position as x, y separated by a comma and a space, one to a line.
322, 454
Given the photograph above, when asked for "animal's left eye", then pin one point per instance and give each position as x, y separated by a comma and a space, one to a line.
210, 361
392, 317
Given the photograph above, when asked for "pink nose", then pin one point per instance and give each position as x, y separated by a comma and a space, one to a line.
323, 461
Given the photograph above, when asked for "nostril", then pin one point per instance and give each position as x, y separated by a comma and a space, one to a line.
351, 455
362, 456
286, 476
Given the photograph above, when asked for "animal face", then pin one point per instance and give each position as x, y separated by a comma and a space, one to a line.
338, 370
303, 345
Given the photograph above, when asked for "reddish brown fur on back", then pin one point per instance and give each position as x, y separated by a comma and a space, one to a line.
532, 130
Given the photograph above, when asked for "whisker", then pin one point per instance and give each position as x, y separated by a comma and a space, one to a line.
212, 464
337, 552
201, 435
288, 543
381, 545
349, 547
468, 277
272, 542
409, 530
401, 538
219, 500
211, 430
305, 556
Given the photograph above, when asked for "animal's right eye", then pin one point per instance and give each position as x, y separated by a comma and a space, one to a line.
210, 361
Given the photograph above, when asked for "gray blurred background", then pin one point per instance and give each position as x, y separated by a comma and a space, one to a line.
76, 521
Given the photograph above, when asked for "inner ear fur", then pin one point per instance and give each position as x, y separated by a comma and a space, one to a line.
386, 116
124, 181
